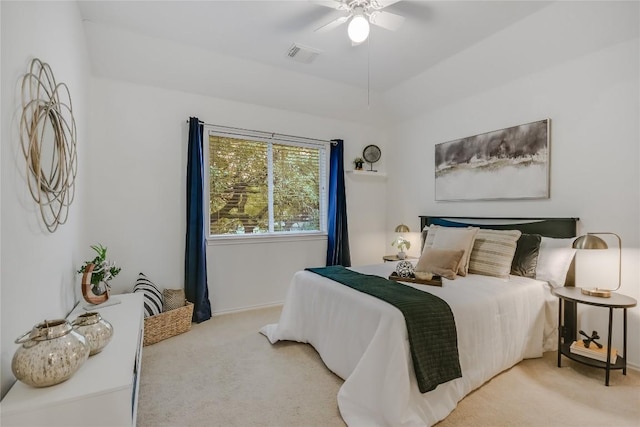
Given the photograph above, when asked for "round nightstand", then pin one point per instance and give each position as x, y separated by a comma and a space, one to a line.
615, 301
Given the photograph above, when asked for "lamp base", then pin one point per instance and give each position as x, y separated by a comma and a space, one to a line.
595, 292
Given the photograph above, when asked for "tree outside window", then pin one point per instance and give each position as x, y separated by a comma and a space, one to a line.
259, 187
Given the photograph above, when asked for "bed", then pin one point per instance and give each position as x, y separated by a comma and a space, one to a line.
364, 340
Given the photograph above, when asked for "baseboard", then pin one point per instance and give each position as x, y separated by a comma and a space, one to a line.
247, 308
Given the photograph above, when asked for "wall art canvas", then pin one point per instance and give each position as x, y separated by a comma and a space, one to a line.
510, 163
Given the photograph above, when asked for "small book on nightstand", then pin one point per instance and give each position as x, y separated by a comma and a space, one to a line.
593, 351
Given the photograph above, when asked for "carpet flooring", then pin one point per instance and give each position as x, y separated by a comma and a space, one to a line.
225, 373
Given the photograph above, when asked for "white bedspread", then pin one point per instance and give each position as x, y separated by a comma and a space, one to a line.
364, 341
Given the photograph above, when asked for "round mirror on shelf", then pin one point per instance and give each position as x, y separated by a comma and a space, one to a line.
371, 154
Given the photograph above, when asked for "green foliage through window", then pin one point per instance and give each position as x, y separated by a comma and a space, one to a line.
258, 187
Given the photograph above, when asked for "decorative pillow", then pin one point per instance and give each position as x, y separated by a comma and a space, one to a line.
151, 296
423, 238
443, 262
429, 234
525, 259
554, 260
173, 298
453, 238
493, 252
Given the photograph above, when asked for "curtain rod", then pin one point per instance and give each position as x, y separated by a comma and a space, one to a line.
271, 135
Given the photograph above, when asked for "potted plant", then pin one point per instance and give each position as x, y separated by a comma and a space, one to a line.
96, 274
402, 244
358, 162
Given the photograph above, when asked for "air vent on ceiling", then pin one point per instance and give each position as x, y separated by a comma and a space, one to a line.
302, 54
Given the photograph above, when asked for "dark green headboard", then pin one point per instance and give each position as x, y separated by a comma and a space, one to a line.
548, 227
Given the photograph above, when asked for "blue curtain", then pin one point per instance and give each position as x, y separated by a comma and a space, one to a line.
338, 242
195, 259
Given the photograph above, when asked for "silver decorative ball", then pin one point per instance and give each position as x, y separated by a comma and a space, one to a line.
404, 269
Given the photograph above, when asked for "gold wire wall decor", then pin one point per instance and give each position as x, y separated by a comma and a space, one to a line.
48, 139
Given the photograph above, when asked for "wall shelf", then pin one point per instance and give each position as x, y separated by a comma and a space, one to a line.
367, 173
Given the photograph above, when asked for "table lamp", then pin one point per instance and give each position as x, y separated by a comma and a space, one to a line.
591, 241
400, 241
402, 229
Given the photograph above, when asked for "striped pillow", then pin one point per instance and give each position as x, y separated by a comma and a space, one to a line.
493, 252
152, 297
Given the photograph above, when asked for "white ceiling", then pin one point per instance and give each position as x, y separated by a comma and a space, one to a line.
263, 31
237, 49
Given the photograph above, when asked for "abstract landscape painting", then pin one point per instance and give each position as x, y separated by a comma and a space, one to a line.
510, 163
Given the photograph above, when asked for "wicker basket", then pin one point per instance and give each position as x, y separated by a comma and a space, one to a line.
167, 324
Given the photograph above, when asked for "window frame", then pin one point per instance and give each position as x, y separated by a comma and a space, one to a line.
271, 236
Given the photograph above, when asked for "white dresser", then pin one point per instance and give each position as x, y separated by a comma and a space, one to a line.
103, 392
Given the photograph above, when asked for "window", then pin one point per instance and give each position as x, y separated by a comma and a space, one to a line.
261, 186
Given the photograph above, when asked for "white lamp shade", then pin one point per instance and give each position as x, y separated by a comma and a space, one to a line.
358, 29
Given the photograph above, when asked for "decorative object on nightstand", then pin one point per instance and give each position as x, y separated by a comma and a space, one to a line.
590, 339
50, 354
96, 275
591, 241
589, 347
401, 242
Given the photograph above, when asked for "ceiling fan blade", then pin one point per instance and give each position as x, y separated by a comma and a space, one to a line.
333, 4
379, 4
332, 24
387, 20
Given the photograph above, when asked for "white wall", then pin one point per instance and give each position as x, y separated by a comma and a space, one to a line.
38, 268
136, 202
594, 104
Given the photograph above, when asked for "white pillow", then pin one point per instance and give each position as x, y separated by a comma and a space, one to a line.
423, 237
453, 238
554, 259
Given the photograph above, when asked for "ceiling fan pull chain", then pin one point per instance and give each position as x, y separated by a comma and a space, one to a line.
368, 72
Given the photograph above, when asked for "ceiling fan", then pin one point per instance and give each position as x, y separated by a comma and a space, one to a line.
361, 13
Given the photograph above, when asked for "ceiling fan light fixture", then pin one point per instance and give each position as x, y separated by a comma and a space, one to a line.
358, 29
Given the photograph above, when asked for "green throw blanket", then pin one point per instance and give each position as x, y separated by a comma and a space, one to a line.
430, 323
